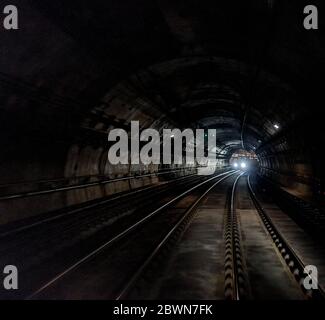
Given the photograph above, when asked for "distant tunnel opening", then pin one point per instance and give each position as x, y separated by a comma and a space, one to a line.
59, 107
244, 160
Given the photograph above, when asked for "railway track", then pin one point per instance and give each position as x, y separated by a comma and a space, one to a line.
309, 216
41, 237
119, 259
42, 248
287, 252
171, 236
132, 244
254, 260
74, 186
235, 282
239, 280
45, 218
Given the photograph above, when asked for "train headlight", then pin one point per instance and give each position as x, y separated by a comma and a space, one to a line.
243, 165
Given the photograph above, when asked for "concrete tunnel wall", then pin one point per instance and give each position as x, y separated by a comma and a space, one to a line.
56, 109
30, 105
50, 168
294, 159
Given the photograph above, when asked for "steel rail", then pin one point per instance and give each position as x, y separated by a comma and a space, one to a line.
98, 203
119, 236
233, 260
81, 186
291, 258
187, 215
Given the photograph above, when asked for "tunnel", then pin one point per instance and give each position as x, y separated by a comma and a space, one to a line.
72, 72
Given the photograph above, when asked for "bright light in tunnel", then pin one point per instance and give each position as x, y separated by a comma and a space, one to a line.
172, 135
243, 159
276, 126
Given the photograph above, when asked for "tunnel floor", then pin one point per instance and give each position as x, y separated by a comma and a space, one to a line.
162, 150
194, 238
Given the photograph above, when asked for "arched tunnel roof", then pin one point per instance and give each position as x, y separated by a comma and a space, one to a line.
168, 215
210, 92
98, 66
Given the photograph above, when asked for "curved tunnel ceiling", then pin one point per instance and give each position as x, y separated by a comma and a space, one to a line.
210, 92
100, 65
76, 224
